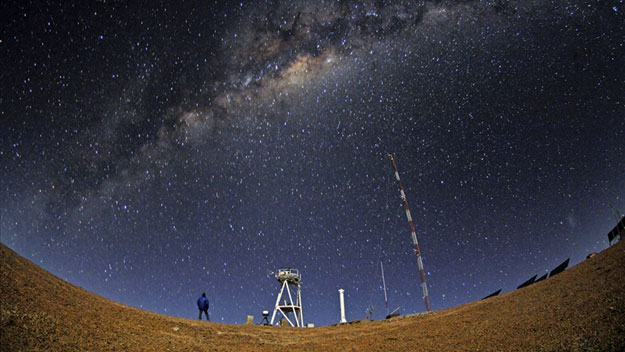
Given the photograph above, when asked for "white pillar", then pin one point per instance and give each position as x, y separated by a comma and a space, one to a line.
342, 300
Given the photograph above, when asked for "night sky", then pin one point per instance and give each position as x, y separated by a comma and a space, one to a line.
152, 151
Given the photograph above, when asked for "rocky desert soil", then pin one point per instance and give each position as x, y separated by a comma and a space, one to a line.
581, 309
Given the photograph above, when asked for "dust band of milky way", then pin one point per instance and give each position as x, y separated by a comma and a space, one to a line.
272, 55
268, 56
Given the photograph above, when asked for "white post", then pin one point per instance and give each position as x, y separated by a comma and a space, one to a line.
342, 300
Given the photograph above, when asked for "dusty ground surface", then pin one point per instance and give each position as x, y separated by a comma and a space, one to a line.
582, 309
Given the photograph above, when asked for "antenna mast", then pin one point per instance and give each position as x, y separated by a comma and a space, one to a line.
413, 233
384, 283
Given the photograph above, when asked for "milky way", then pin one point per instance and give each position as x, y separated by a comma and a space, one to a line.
154, 152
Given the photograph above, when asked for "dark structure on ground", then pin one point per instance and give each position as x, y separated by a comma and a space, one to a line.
560, 268
617, 232
496, 293
528, 282
542, 278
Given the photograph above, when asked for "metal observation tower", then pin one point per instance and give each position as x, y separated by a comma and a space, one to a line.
291, 297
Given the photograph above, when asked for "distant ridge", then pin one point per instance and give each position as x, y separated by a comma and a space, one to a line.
581, 309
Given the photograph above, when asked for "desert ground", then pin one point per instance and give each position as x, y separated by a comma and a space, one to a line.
581, 309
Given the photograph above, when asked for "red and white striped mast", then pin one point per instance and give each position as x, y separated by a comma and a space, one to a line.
413, 233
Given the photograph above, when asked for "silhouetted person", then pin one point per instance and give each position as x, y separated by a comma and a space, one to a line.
202, 305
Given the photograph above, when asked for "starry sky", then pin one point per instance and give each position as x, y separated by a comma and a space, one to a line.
151, 151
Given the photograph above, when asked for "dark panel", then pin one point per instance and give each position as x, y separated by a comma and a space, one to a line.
542, 278
528, 282
619, 229
560, 268
496, 293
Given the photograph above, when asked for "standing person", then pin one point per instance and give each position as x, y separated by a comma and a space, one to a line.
202, 305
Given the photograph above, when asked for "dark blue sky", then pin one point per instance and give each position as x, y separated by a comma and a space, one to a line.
151, 152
